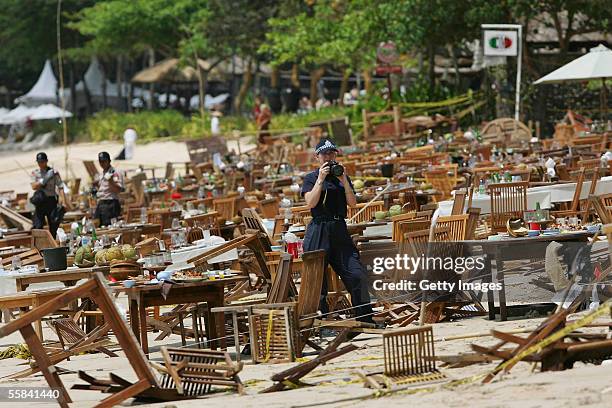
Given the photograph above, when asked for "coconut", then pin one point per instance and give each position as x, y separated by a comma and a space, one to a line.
114, 253
380, 215
395, 210
358, 184
101, 257
128, 251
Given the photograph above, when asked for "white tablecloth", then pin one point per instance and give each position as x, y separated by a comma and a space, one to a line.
545, 195
180, 257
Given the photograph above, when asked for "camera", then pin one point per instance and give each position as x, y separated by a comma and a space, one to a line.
335, 168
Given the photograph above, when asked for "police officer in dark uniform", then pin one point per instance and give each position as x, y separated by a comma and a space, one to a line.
109, 185
328, 196
46, 182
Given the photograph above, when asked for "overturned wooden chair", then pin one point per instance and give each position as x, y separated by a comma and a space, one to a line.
409, 358
194, 372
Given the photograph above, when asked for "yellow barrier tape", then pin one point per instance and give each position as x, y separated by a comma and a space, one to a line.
269, 335
554, 337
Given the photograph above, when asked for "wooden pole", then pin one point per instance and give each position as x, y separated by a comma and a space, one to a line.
61, 81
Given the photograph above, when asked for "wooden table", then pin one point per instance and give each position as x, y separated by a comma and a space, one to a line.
68, 277
210, 291
29, 300
514, 249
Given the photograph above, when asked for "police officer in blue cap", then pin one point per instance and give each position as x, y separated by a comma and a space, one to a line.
328, 191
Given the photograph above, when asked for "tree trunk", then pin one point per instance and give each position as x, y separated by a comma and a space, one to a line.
247, 79
275, 78
151, 98
73, 92
88, 103
104, 90
295, 76
120, 82
346, 74
453, 54
130, 90
315, 76
431, 56
201, 87
367, 80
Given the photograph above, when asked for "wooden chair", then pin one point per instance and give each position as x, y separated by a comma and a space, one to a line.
73, 338
367, 214
97, 289
299, 213
472, 222
508, 200
607, 229
574, 206
226, 207
459, 202
603, 212
163, 217
441, 182
42, 239
91, 168
13, 219
457, 226
395, 221
405, 227
269, 207
193, 372
207, 221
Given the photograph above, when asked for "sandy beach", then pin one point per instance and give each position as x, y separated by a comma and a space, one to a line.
336, 384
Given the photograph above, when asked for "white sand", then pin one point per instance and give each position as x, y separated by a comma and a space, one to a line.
15, 167
582, 386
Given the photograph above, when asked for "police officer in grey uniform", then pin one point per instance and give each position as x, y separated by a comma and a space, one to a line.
327, 196
48, 181
109, 185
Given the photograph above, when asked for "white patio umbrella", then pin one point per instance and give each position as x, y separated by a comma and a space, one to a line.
597, 64
19, 114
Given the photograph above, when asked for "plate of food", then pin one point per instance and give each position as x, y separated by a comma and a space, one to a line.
188, 276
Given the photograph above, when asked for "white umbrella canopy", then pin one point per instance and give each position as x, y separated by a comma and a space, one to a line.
49, 111
597, 64
19, 114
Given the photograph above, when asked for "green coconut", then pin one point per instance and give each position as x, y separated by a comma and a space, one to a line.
113, 254
358, 184
100, 257
128, 252
380, 215
78, 256
395, 210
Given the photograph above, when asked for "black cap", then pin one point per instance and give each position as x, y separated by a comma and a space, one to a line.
104, 156
42, 156
325, 145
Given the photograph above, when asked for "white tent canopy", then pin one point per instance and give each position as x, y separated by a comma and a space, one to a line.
597, 64
49, 111
44, 90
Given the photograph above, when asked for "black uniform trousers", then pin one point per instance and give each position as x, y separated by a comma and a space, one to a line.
43, 211
331, 235
106, 210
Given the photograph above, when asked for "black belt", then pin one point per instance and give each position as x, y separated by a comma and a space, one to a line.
320, 218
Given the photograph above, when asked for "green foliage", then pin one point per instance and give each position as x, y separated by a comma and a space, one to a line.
110, 125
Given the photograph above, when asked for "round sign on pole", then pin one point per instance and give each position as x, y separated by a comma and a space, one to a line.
386, 53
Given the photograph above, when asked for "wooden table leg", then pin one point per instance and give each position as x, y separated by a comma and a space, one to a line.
142, 311
503, 311
217, 326
488, 278
37, 324
134, 318
236, 334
